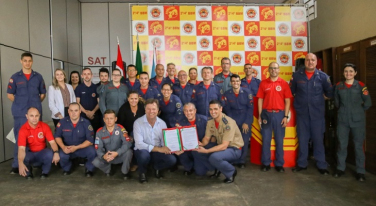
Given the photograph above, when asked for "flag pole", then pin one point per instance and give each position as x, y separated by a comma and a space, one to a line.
117, 39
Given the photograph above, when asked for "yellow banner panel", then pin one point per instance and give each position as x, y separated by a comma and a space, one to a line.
218, 55
267, 28
239, 70
144, 42
219, 28
236, 43
188, 43
283, 43
173, 56
282, 13
235, 13
286, 74
172, 28
187, 13
139, 12
267, 57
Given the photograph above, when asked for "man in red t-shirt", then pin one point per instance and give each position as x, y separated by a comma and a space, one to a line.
32, 148
273, 106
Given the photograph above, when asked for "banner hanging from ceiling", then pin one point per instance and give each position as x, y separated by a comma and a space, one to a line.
199, 36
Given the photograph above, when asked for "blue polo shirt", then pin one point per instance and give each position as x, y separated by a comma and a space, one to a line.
88, 96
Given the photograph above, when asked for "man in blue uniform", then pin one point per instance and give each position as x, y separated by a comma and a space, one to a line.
239, 106
249, 81
132, 82
145, 91
157, 81
74, 135
87, 97
205, 92
183, 89
187, 158
229, 140
26, 89
113, 146
309, 86
171, 79
223, 78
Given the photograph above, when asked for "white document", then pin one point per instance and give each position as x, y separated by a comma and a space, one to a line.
172, 139
189, 138
10, 136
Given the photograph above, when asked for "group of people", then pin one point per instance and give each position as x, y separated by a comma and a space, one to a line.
121, 121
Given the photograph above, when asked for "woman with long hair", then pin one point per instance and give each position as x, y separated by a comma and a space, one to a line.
74, 79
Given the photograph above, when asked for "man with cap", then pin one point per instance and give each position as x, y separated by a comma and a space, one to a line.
32, 148
74, 135
26, 89
273, 106
229, 139
239, 106
113, 146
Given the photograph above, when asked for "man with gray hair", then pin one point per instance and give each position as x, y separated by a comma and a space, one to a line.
223, 78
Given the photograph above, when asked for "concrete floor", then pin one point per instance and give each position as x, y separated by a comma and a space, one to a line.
251, 187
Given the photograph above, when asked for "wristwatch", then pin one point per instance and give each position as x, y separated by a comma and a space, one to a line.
286, 117
57, 151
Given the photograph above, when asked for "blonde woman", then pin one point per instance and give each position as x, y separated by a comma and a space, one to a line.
60, 95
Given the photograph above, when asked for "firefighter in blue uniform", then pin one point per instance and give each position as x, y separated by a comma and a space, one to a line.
187, 158
74, 135
157, 81
170, 106
229, 140
352, 98
132, 82
26, 89
249, 81
171, 79
205, 92
239, 106
223, 78
309, 86
183, 89
144, 90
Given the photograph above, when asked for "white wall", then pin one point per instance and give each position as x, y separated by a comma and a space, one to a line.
25, 26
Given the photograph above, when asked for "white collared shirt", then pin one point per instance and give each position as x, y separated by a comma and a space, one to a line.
146, 136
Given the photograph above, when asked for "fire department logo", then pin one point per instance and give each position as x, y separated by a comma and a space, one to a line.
117, 132
284, 58
11, 80
140, 27
221, 43
252, 43
188, 28
251, 13
237, 58
188, 58
283, 28
173, 42
93, 95
299, 43
40, 135
172, 12
203, 13
299, 55
267, 13
268, 43
253, 58
219, 12
299, 14
156, 27
204, 27
204, 43
252, 28
299, 28
155, 12
278, 88
157, 42
205, 58
236, 28
264, 121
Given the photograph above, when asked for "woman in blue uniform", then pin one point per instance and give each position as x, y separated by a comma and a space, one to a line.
352, 99
170, 106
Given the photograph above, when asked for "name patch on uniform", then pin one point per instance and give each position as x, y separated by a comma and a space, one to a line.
224, 120
40, 135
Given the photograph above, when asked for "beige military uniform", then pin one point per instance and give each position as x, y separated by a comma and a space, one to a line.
227, 130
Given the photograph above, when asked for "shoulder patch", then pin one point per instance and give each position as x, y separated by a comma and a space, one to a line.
90, 127
99, 129
328, 80
121, 126
364, 88
361, 84
178, 105
227, 127
249, 96
11, 80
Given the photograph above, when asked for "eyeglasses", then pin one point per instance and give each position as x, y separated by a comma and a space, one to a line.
131, 70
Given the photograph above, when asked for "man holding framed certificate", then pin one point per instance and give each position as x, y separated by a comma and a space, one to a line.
229, 140
149, 145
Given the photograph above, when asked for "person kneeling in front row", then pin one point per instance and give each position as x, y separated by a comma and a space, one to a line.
113, 146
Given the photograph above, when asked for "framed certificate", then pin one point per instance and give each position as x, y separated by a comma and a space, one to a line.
181, 138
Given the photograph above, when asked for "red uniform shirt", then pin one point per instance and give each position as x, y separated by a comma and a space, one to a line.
274, 93
192, 122
35, 138
27, 76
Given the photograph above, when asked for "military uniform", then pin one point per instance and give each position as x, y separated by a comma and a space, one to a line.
132, 86
185, 94
26, 94
117, 141
309, 104
240, 108
168, 80
113, 97
222, 81
227, 131
171, 112
253, 85
74, 135
202, 96
156, 85
151, 93
351, 102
